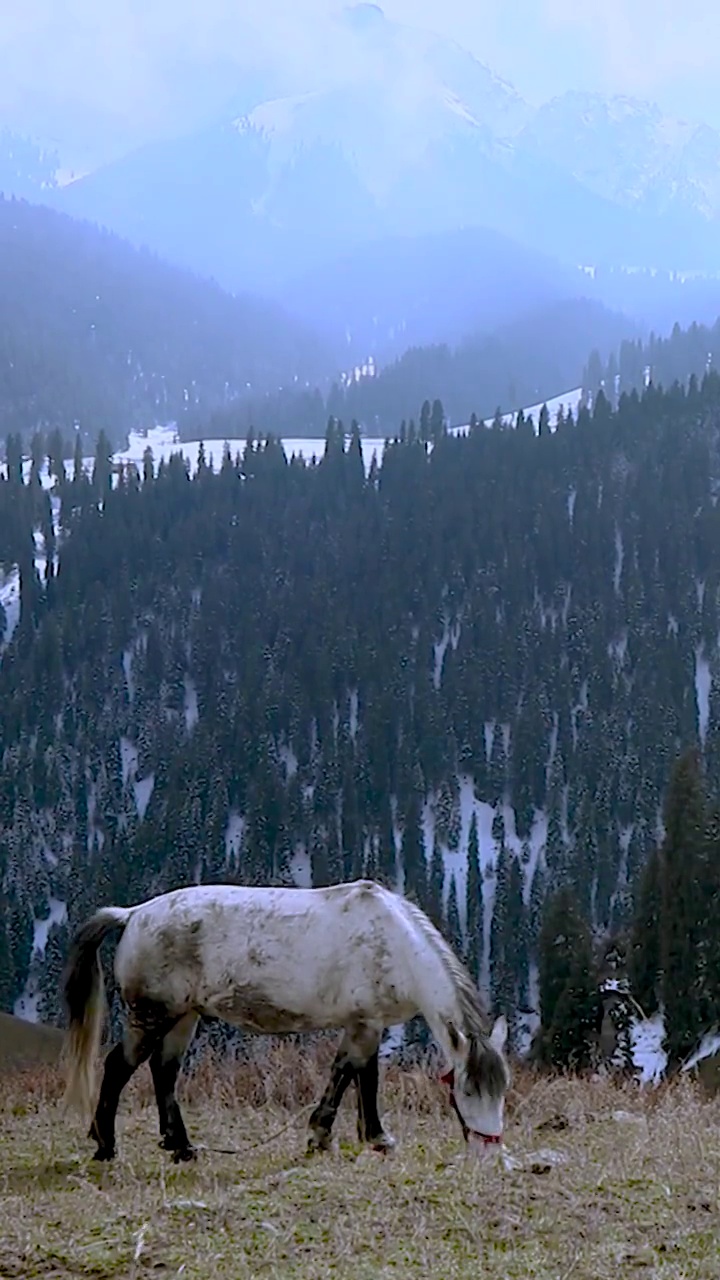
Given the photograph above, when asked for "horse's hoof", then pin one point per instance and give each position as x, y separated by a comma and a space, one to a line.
104, 1154
184, 1155
383, 1144
318, 1141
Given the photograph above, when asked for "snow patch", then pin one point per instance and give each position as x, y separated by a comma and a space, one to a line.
617, 649
127, 662
26, 1006
41, 928
619, 558
552, 746
649, 1057
709, 1046
234, 837
571, 499
289, 760
703, 683
143, 788
301, 867
10, 598
190, 703
128, 759
566, 402
582, 705
451, 635
353, 713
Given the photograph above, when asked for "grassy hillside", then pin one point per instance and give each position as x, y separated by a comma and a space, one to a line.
599, 1182
25, 1043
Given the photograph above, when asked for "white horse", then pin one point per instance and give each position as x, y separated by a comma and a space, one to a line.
353, 956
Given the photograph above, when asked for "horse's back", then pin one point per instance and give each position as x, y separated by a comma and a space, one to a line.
307, 957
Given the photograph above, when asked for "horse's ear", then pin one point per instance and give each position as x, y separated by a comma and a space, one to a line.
458, 1042
499, 1033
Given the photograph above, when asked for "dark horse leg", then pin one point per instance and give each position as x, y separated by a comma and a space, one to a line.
143, 1030
356, 1061
342, 1073
165, 1063
369, 1124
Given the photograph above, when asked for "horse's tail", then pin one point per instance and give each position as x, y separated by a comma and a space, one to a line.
84, 994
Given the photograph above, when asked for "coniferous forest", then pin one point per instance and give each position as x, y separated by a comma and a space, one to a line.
470, 672
525, 361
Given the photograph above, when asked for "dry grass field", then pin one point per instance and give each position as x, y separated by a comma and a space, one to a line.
597, 1182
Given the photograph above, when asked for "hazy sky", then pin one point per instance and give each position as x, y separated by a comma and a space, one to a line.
95, 74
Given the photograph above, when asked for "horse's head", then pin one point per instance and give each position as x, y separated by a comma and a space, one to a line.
479, 1079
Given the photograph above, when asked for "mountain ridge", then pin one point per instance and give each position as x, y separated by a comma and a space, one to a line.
415, 135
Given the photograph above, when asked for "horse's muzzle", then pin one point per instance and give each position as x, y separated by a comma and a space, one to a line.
477, 1140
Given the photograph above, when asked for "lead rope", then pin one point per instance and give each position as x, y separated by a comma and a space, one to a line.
260, 1142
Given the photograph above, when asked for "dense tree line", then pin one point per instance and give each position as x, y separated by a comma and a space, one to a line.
683, 354
468, 672
95, 334
525, 362
675, 952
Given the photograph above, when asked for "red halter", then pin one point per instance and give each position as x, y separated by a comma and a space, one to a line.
490, 1139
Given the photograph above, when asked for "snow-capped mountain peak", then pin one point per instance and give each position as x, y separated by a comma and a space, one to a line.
630, 152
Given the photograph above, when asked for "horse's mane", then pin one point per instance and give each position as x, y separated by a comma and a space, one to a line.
485, 1065
474, 1016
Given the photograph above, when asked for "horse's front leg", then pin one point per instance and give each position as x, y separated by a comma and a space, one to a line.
356, 1060
369, 1124
342, 1073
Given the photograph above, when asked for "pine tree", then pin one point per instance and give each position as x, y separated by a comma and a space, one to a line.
7, 968
437, 422
436, 885
474, 904
509, 957
425, 422
413, 854
102, 469
683, 858
644, 959
569, 1001
453, 931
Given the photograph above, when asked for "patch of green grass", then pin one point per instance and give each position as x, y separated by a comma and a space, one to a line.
635, 1193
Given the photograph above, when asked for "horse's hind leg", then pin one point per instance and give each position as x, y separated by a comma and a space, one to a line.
165, 1062
120, 1065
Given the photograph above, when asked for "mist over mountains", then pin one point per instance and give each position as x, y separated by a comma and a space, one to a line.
417, 138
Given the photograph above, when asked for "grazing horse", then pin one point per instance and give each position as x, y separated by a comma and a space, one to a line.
353, 956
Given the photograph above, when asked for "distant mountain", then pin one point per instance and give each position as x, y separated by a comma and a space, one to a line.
404, 291
414, 137
629, 152
97, 334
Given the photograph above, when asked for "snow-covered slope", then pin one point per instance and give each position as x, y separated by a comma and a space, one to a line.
407, 93
629, 152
